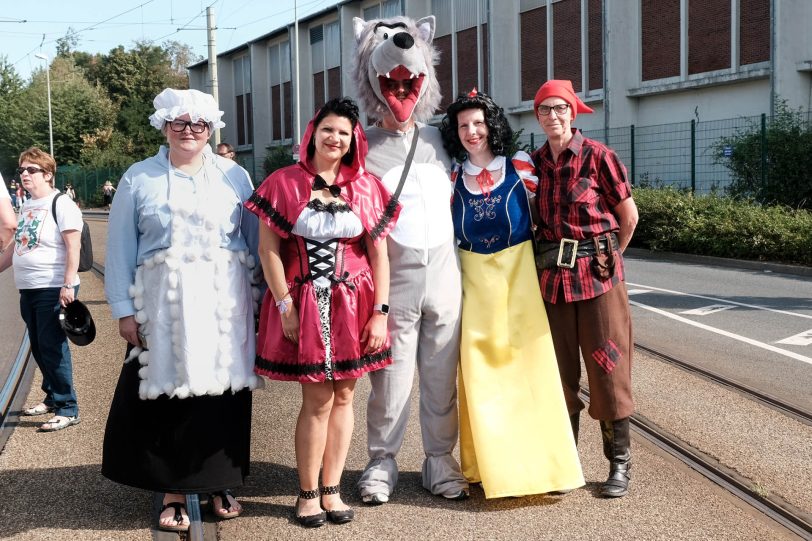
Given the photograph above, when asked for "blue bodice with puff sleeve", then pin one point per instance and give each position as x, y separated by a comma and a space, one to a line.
487, 225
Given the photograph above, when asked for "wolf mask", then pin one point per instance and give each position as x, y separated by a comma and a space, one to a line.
392, 52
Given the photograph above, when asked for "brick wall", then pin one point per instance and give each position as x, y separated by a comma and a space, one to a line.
754, 31
466, 61
318, 91
708, 35
444, 72
595, 44
276, 112
660, 38
567, 42
334, 82
533, 52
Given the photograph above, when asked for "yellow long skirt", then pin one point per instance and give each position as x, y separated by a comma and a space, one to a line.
515, 434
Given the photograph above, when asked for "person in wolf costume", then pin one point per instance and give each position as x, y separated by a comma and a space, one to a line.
397, 85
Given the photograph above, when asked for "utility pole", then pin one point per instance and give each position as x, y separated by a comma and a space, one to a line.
210, 30
296, 140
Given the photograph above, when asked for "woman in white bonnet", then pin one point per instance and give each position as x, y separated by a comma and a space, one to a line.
181, 251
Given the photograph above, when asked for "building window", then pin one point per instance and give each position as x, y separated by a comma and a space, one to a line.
325, 55
754, 31
279, 72
461, 36
561, 40
242, 91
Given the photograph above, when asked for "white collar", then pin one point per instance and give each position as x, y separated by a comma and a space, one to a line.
496, 165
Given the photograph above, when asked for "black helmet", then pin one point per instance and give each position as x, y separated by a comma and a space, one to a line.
78, 324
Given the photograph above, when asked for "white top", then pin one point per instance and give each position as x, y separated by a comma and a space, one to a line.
322, 225
4, 192
39, 250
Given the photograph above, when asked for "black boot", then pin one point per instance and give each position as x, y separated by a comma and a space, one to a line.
616, 448
575, 421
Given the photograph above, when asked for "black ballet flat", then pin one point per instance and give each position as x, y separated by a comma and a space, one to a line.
309, 521
337, 517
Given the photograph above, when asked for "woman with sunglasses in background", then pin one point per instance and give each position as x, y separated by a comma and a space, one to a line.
46, 262
180, 252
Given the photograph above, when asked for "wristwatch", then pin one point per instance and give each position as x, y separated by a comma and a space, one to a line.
382, 308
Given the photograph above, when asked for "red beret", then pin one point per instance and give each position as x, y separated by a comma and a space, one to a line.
560, 88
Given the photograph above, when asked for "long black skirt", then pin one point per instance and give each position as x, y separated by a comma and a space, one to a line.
196, 445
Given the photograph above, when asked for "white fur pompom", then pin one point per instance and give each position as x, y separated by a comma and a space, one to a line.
133, 354
172, 278
174, 311
250, 262
138, 302
182, 392
255, 294
160, 257
241, 255
172, 296
172, 262
225, 326
131, 291
222, 376
143, 358
153, 392
176, 329
143, 372
141, 317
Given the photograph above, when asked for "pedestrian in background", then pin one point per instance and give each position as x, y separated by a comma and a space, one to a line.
226, 151
107, 192
180, 252
46, 263
515, 436
586, 220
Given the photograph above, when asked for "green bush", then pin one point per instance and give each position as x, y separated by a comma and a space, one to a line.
277, 158
676, 221
787, 159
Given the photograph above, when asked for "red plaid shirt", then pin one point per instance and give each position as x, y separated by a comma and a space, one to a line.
575, 199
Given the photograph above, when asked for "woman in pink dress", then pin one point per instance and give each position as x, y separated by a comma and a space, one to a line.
323, 319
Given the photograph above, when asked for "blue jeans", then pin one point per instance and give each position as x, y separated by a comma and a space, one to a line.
49, 345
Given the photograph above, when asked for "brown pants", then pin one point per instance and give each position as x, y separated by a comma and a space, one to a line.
602, 329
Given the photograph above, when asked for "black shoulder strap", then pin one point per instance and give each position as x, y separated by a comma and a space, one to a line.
407, 165
53, 208
389, 211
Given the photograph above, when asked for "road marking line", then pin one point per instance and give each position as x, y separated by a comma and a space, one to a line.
758, 307
705, 310
637, 291
800, 339
738, 337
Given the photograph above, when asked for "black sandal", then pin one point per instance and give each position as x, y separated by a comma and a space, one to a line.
179, 526
309, 521
230, 512
337, 517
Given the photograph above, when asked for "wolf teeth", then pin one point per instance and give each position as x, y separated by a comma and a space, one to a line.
412, 76
387, 75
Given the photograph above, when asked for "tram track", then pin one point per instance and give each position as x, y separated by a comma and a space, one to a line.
792, 518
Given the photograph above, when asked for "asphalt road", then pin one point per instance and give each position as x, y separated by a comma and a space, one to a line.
753, 326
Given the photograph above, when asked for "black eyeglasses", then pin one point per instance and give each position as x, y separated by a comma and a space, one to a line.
180, 125
559, 109
30, 169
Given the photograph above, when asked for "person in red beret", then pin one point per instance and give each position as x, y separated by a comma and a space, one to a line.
586, 220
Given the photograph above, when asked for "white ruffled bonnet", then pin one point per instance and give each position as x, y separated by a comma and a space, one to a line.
172, 103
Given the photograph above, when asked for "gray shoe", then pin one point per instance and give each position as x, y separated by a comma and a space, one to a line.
459, 496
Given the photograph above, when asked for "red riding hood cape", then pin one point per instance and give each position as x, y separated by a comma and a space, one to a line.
282, 196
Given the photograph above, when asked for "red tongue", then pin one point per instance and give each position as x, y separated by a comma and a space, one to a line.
402, 110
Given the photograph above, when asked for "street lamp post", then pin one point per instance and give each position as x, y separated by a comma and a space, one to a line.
44, 57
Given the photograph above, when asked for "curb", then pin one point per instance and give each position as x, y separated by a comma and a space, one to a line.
762, 266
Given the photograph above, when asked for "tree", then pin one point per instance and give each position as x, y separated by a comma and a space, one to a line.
11, 88
79, 108
67, 44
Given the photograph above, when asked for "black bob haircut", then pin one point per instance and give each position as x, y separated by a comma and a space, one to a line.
340, 107
500, 134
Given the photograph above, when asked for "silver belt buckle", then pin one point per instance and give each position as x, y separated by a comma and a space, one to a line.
571, 263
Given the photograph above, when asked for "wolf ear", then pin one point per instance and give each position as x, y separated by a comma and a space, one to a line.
358, 27
425, 27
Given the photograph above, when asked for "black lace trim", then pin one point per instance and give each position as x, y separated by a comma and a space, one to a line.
265, 206
288, 369
333, 207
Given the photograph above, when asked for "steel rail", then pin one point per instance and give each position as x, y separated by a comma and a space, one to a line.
790, 410
785, 514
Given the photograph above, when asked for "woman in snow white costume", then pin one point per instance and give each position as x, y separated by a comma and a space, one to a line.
179, 280
323, 319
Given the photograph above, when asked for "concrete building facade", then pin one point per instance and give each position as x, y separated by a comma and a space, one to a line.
635, 62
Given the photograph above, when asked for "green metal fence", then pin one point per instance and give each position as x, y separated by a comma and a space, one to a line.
87, 182
684, 154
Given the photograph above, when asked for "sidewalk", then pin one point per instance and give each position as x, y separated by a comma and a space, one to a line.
51, 486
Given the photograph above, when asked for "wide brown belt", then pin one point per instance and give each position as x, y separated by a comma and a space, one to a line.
563, 254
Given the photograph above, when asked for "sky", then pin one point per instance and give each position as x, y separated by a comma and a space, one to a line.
28, 27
